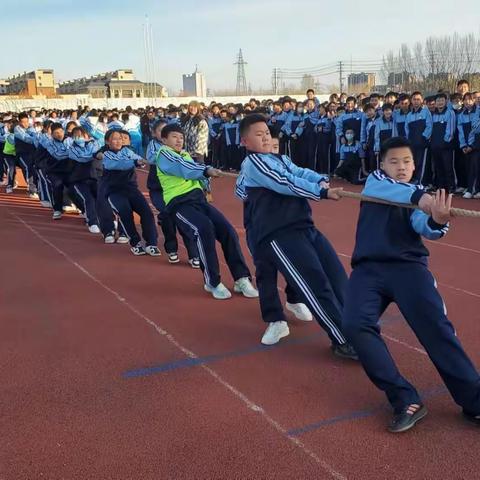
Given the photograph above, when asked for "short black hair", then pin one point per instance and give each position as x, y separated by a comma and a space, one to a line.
403, 96
441, 95
391, 143
387, 106
462, 82
173, 127
416, 93
351, 99
23, 115
250, 120
310, 90
55, 126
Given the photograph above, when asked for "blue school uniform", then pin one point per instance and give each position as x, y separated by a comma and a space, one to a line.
284, 237
443, 131
351, 156
390, 265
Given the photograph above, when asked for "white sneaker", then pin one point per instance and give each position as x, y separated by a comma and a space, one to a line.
123, 239
459, 190
109, 238
477, 195
33, 195
220, 292
467, 195
57, 215
45, 204
69, 209
93, 229
194, 262
274, 332
9, 190
173, 257
245, 287
300, 310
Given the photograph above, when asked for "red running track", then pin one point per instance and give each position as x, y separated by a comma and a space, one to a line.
118, 367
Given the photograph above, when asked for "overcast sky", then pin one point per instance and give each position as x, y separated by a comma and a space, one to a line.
81, 38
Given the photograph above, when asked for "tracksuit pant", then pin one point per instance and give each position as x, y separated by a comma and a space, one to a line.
44, 187
266, 276
25, 162
311, 266
207, 224
127, 201
372, 287
421, 175
442, 160
473, 169
87, 191
59, 182
104, 211
169, 228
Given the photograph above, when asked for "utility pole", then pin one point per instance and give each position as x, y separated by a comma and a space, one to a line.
275, 81
340, 69
241, 78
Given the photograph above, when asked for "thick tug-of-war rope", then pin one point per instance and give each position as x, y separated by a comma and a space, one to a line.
455, 212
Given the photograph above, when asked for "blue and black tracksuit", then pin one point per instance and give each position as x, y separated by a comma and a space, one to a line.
285, 239
165, 219
83, 177
306, 144
233, 150
390, 265
443, 131
290, 128
270, 304
350, 120
418, 130
399, 119
468, 125
352, 157
124, 196
324, 129
371, 157
277, 122
25, 150
215, 132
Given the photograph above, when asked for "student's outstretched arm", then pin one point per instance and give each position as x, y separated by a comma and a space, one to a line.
271, 174
151, 153
173, 164
378, 185
240, 192
304, 173
23, 135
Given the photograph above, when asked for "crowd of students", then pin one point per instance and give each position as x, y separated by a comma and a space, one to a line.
286, 152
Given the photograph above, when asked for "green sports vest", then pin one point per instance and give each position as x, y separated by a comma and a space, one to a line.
9, 148
175, 186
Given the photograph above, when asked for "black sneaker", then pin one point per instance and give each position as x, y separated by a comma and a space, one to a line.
403, 421
153, 251
138, 250
345, 351
173, 257
472, 418
194, 262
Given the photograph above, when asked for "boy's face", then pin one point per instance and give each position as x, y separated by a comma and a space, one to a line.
417, 101
387, 114
350, 105
370, 113
275, 146
462, 89
440, 103
58, 134
374, 101
398, 164
277, 108
116, 141
174, 140
258, 138
23, 122
468, 102
404, 104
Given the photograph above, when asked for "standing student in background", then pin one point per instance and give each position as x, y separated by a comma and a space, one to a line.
383, 129
296, 118
443, 131
369, 138
165, 220
352, 119
418, 130
323, 129
400, 115
468, 121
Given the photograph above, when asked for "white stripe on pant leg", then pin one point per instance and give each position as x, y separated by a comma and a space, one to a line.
119, 217
45, 185
26, 169
443, 301
308, 293
83, 200
201, 250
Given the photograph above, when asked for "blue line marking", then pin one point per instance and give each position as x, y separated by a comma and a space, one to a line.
193, 362
355, 415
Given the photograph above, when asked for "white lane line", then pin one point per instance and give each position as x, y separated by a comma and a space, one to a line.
237, 393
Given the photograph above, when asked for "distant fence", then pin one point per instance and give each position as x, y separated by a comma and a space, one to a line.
8, 104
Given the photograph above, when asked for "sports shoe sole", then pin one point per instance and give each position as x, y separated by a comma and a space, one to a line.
415, 419
283, 335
